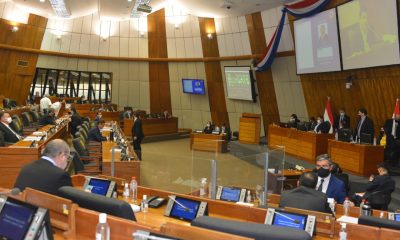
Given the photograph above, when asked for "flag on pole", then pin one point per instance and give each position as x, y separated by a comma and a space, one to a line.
328, 114
396, 108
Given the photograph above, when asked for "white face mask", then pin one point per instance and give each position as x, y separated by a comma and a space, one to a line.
319, 121
9, 120
342, 114
208, 125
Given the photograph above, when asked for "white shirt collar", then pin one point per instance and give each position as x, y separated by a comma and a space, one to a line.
325, 184
50, 160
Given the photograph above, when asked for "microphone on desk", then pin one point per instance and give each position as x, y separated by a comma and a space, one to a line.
180, 204
12, 192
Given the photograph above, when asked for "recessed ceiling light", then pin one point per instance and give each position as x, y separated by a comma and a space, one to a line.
42, 1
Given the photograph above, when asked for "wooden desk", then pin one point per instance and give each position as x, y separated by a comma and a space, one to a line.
359, 159
122, 169
305, 145
208, 142
14, 157
153, 126
18, 111
249, 128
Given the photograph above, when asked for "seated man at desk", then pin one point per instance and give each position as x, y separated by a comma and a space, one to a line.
10, 136
327, 183
293, 121
95, 132
305, 196
48, 118
226, 131
47, 174
209, 128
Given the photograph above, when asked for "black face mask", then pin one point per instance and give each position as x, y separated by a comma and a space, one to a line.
323, 173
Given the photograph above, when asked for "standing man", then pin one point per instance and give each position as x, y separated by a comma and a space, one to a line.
45, 103
364, 125
10, 136
48, 173
322, 126
343, 118
76, 120
137, 135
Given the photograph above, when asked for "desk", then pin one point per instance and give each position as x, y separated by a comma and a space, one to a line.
122, 169
305, 145
359, 159
153, 126
14, 157
208, 142
18, 111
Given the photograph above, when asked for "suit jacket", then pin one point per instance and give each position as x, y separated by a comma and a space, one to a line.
128, 115
95, 135
346, 122
305, 198
76, 121
382, 183
324, 127
46, 120
208, 130
42, 175
336, 189
9, 136
390, 140
366, 127
137, 130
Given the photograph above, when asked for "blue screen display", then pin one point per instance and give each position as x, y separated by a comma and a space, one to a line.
230, 194
15, 220
289, 220
397, 217
187, 211
99, 186
193, 86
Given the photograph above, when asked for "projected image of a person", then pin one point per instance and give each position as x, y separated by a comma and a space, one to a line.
323, 33
364, 30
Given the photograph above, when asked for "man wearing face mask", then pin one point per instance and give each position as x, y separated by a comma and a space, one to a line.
342, 118
10, 136
322, 126
293, 121
47, 174
208, 129
327, 183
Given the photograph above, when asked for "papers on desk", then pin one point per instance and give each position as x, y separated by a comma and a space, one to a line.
347, 219
116, 150
135, 208
32, 138
38, 133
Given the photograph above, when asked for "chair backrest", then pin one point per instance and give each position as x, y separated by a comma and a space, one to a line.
26, 119
84, 134
80, 147
18, 118
6, 102
2, 142
35, 116
380, 200
16, 126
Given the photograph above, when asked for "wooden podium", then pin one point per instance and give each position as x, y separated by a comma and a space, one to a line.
249, 128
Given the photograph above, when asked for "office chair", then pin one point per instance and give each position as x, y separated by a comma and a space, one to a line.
380, 200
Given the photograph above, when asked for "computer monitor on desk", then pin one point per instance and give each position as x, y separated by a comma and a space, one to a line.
345, 134
366, 138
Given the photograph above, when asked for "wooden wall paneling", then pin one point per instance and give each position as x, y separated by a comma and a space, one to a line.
16, 80
160, 94
375, 89
215, 83
265, 83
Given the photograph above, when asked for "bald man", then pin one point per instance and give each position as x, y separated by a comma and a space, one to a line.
48, 173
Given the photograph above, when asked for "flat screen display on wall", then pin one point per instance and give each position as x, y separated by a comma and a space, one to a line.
317, 44
193, 86
239, 82
368, 33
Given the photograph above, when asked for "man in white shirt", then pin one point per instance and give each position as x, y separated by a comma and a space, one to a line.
45, 103
56, 106
10, 136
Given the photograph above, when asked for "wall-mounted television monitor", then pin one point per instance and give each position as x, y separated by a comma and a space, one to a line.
317, 44
240, 83
368, 33
193, 86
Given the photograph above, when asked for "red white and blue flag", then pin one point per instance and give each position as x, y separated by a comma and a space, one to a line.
328, 116
299, 8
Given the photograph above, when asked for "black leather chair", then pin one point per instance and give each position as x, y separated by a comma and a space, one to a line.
35, 116
380, 200
28, 120
337, 172
2, 141
6, 103
85, 155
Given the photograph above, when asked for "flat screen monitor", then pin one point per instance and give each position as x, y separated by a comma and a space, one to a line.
193, 86
345, 134
366, 138
317, 44
20, 220
231, 194
368, 33
99, 186
239, 83
394, 216
282, 218
185, 209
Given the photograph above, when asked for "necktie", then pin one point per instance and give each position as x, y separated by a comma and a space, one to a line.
394, 128
16, 134
320, 185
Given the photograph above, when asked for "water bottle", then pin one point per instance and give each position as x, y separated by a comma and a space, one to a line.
248, 197
133, 186
144, 205
125, 194
346, 206
203, 184
361, 206
343, 232
366, 209
102, 228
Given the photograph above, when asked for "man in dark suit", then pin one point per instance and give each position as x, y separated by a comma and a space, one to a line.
305, 196
364, 125
76, 120
10, 135
225, 131
343, 118
392, 131
322, 126
137, 135
128, 114
95, 133
48, 118
47, 174
327, 183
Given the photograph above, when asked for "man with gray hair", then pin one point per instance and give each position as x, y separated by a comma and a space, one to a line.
47, 174
327, 183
